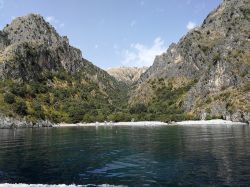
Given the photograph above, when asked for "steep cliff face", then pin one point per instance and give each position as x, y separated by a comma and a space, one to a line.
213, 60
128, 75
33, 56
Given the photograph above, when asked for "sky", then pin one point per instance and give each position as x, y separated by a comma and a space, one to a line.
114, 33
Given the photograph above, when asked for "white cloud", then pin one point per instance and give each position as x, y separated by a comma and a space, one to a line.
50, 19
61, 25
132, 23
53, 21
13, 17
142, 55
1, 4
191, 25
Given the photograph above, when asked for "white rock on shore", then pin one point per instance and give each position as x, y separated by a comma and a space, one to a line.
153, 123
210, 122
140, 123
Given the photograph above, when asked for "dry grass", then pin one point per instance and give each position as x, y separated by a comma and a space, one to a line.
246, 59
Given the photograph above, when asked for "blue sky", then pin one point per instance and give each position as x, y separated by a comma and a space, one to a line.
113, 33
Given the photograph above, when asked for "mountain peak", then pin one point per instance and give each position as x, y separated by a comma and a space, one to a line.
128, 75
31, 27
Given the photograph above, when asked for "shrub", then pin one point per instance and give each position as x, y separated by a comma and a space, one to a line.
76, 111
21, 108
38, 112
88, 118
118, 117
9, 98
216, 57
138, 108
18, 90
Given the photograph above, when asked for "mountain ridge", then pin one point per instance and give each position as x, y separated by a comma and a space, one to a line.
128, 75
213, 58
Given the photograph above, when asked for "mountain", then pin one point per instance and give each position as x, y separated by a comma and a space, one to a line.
206, 74
43, 77
128, 75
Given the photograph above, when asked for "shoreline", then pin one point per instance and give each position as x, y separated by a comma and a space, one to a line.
111, 124
11, 123
210, 122
214, 122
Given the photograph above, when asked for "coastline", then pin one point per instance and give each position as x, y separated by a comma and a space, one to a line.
107, 124
12, 123
210, 122
152, 123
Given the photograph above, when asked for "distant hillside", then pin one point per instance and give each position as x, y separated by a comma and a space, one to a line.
128, 75
207, 73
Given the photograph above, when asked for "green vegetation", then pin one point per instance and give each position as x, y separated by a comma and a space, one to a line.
246, 13
66, 99
166, 104
69, 100
9, 98
21, 108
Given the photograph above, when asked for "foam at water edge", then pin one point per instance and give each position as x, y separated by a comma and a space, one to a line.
56, 185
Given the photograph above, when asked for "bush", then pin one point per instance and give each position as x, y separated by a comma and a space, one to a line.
37, 88
216, 57
88, 118
21, 108
18, 90
38, 112
138, 109
76, 111
9, 98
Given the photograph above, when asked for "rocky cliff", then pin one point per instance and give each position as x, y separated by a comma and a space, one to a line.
212, 63
43, 77
128, 75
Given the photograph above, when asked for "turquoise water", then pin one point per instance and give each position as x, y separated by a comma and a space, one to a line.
131, 156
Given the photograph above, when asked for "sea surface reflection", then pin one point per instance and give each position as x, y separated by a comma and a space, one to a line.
131, 156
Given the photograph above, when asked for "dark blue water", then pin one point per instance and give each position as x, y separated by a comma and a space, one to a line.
132, 156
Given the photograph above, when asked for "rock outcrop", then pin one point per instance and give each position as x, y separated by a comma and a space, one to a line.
12, 123
215, 57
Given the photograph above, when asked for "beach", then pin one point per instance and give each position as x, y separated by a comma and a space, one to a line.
152, 123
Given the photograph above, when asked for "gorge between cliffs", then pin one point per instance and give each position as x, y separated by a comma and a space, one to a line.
45, 81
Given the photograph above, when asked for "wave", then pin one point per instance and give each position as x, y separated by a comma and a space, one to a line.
57, 185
